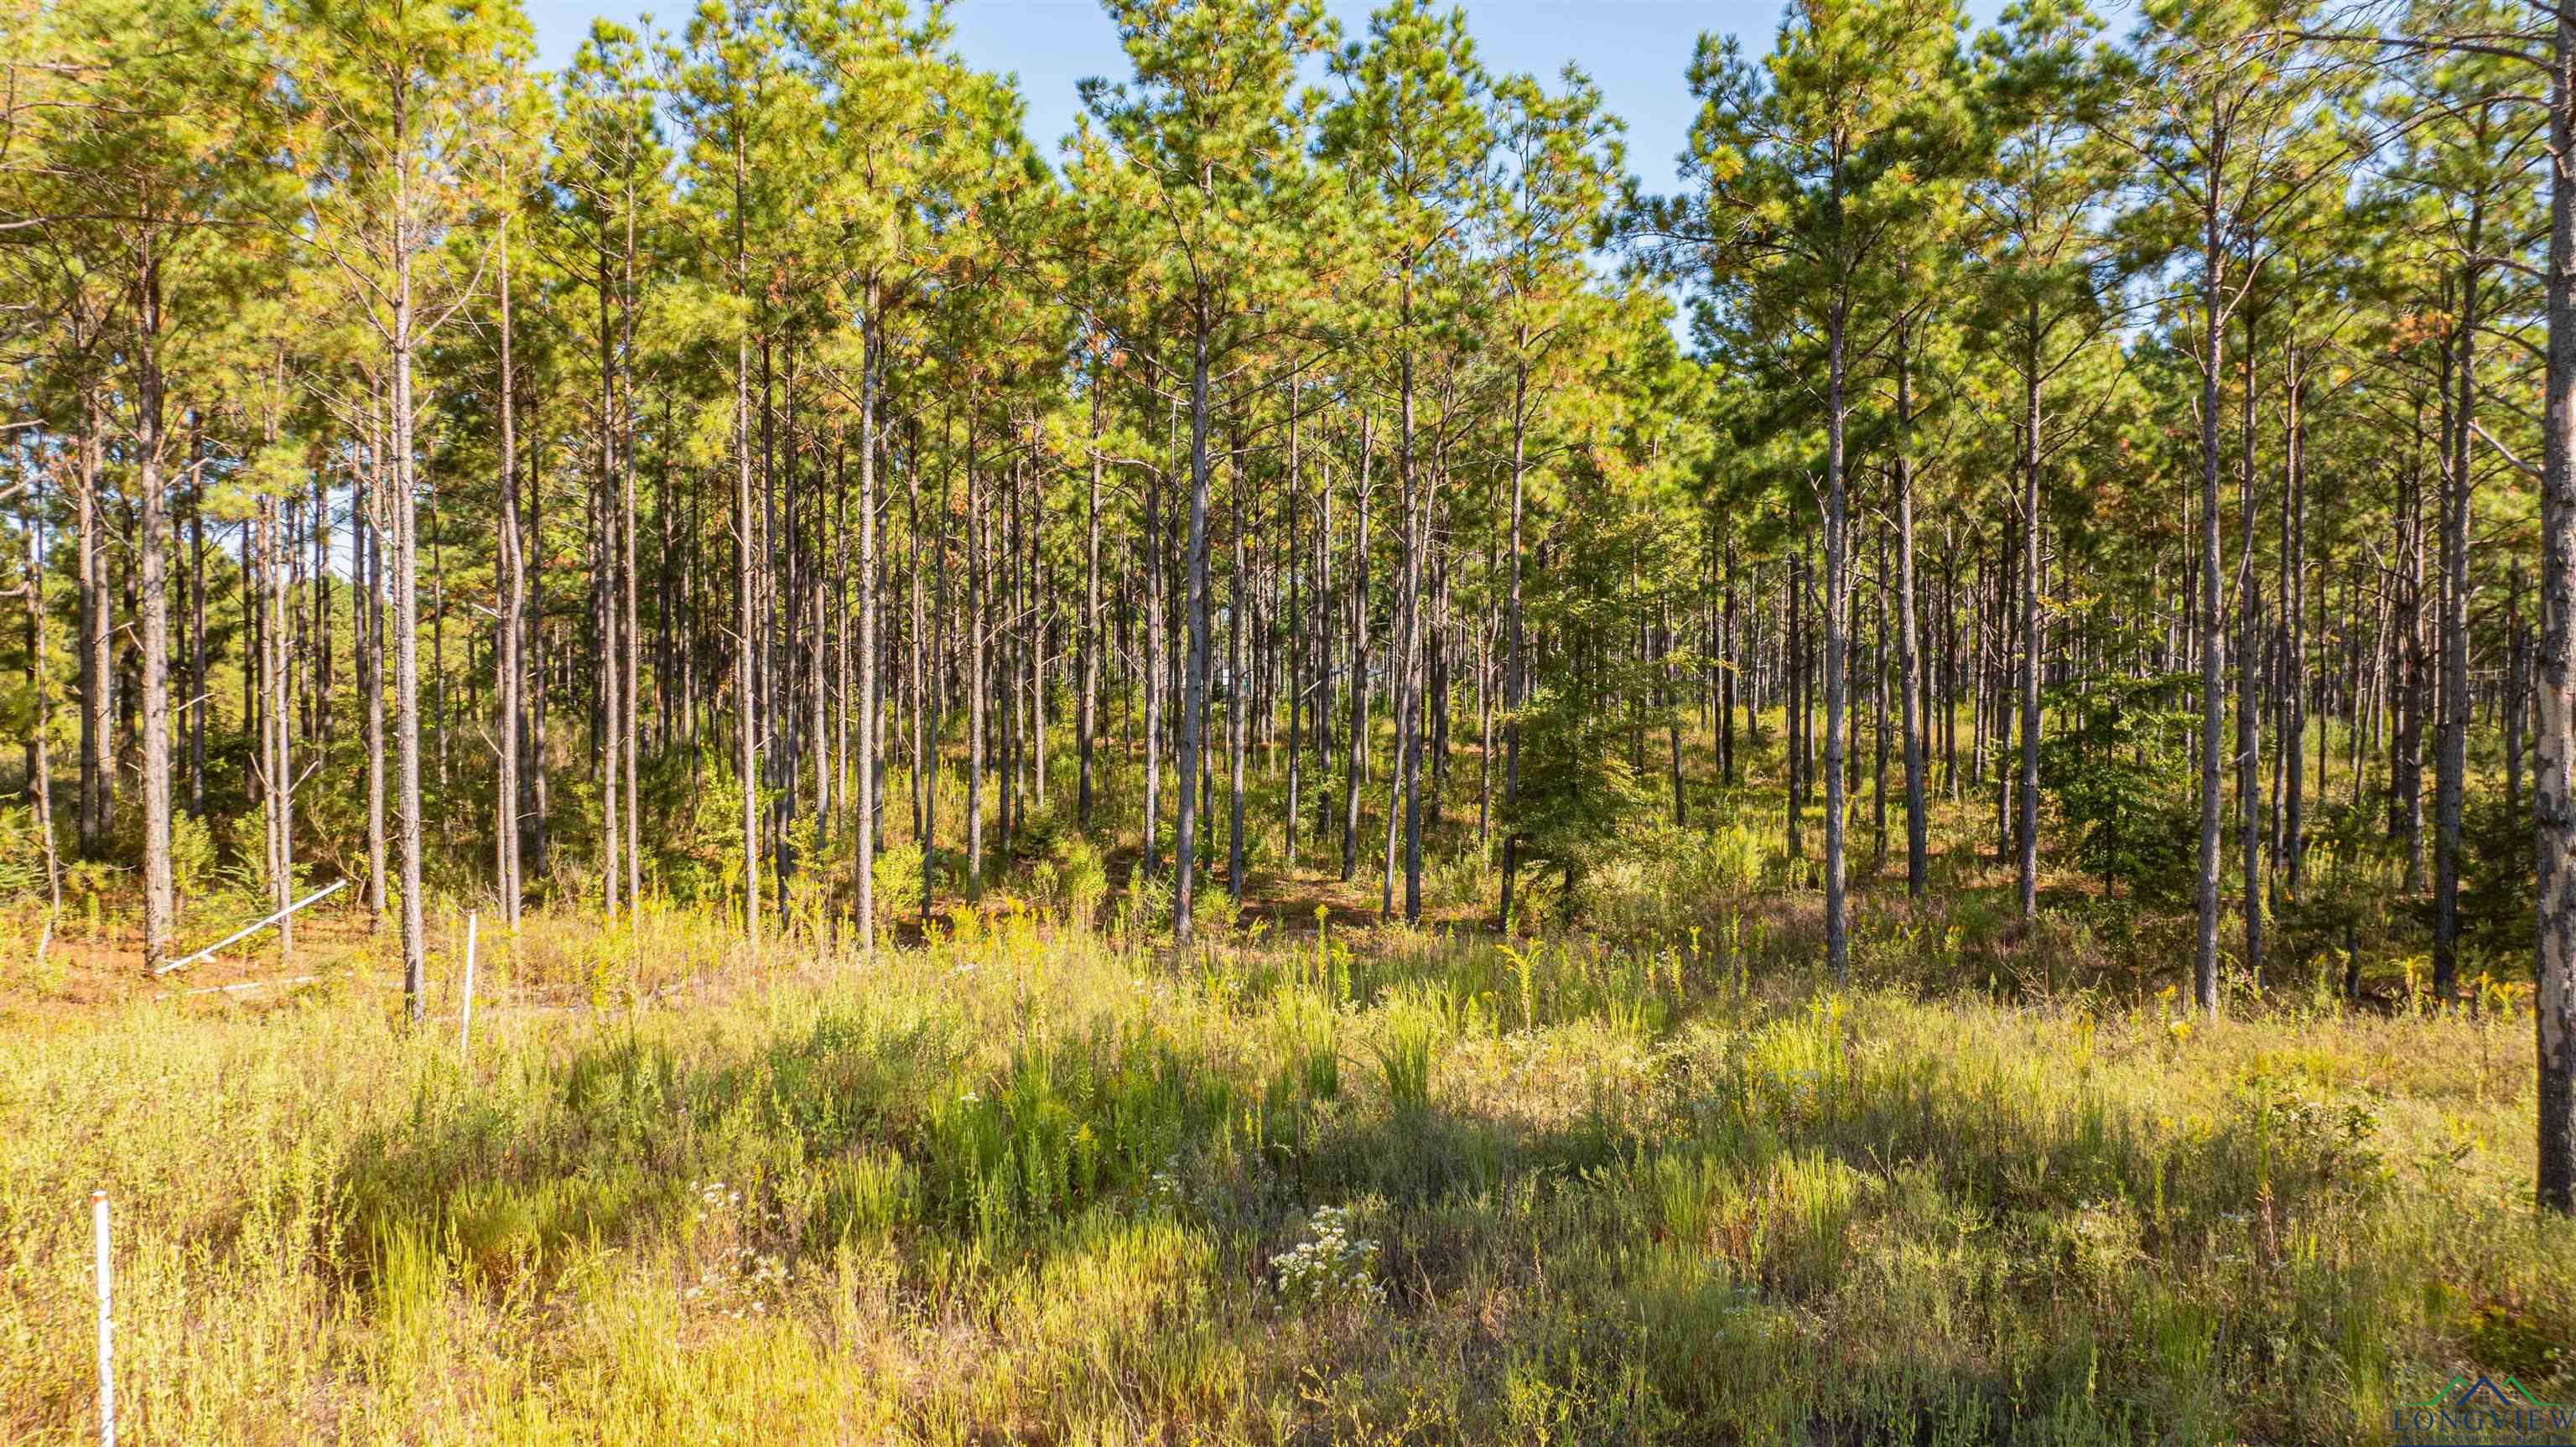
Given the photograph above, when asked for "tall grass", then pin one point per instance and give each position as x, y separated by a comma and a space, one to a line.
1025, 1183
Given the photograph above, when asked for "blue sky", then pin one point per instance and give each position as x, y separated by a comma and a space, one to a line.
1637, 50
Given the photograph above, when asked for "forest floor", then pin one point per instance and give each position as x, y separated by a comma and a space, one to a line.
1647, 1177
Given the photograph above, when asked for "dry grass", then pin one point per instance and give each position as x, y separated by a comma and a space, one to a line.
1643, 1177
1026, 1184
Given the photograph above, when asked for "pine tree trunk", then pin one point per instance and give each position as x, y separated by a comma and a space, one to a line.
2554, 773
2516, 698
372, 679
277, 738
1235, 742
925, 734
97, 672
2249, 739
2452, 752
1036, 629
1150, 667
509, 628
630, 639
2294, 528
1005, 665
406, 589
609, 695
1793, 713
1409, 727
1291, 502
1878, 715
1355, 767
1909, 650
978, 629
40, 776
538, 694
873, 370
747, 635
199, 693
1837, 628
1087, 727
1194, 680
160, 902
2026, 831
2213, 704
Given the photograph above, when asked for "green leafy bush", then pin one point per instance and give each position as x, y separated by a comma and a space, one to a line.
897, 876
2113, 762
1577, 792
1082, 877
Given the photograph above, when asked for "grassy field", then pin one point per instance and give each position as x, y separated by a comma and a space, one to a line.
1036, 1182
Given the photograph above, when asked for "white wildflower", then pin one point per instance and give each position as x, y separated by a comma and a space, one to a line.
1334, 1267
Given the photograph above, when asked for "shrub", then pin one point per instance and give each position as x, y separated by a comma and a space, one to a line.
22, 856
2111, 761
897, 876
192, 854
1577, 793
2497, 886
1082, 879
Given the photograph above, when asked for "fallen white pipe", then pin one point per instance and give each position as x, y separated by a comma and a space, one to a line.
250, 930
246, 985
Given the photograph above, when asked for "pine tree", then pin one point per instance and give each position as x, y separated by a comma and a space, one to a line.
1561, 157
406, 104
2040, 95
1815, 168
1206, 130
2228, 124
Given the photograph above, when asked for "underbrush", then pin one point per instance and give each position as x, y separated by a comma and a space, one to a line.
1028, 1183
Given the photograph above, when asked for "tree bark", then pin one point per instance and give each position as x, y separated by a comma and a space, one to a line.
1194, 678
609, 696
1088, 726
2026, 833
2249, 736
2554, 772
97, 814
1837, 629
160, 903
2294, 540
1409, 725
746, 638
407, 805
40, 777
871, 370
628, 733
1355, 767
2452, 752
1909, 651
510, 627
2213, 701
1291, 501
1515, 656
278, 738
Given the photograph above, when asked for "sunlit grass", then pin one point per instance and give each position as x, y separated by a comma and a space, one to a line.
1028, 1184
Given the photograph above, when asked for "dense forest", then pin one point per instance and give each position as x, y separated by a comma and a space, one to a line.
2099, 494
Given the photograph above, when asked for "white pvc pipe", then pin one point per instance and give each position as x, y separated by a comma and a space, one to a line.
248, 931
106, 1327
465, 1021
